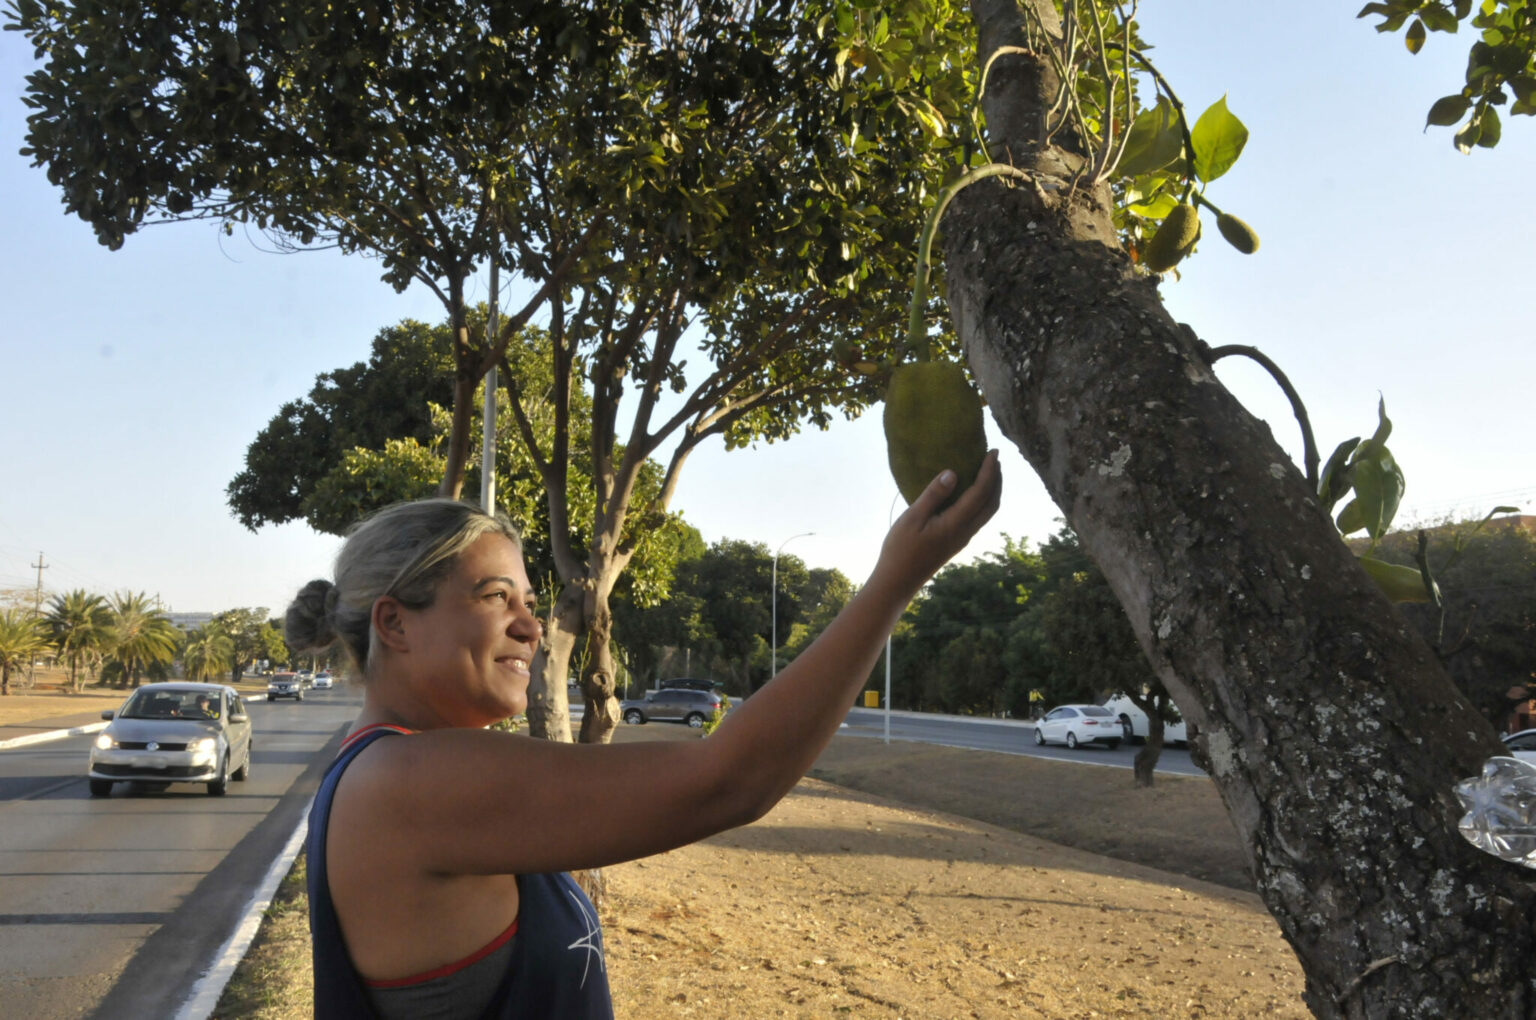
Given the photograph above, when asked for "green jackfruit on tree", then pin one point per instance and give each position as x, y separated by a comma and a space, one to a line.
933, 421
1173, 240
1238, 234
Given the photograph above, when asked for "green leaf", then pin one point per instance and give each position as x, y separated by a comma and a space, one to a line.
1351, 518
1335, 481
1155, 140
1399, 583
1157, 207
1218, 138
1491, 127
1379, 485
1447, 111
1439, 19
1414, 38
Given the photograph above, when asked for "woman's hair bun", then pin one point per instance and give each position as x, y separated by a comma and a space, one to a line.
310, 623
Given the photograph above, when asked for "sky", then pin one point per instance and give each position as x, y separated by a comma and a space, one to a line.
132, 382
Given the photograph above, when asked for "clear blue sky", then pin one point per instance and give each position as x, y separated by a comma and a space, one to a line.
134, 380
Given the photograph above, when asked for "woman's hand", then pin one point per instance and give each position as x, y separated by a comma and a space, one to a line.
923, 540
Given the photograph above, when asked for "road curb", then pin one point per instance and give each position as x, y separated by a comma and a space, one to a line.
205, 994
47, 735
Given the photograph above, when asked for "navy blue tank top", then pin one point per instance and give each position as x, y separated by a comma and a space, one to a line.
556, 969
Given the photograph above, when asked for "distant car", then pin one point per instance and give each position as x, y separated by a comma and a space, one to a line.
1134, 725
322, 681
1522, 745
671, 705
163, 734
1075, 725
285, 685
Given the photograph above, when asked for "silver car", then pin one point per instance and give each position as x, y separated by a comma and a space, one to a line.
691, 707
174, 733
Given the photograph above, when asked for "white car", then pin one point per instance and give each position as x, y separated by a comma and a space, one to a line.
322, 681
173, 733
1075, 725
1521, 745
1134, 725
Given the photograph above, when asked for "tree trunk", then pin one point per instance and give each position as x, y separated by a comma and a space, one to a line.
549, 713
5, 680
1333, 734
600, 714
1146, 758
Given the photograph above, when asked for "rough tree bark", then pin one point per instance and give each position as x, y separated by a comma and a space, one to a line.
1332, 733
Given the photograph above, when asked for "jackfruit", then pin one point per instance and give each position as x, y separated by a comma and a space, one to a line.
1238, 234
1173, 240
932, 421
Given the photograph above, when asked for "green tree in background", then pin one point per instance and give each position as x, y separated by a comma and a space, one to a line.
139, 638
78, 625
1486, 636
207, 652
745, 180
251, 636
22, 638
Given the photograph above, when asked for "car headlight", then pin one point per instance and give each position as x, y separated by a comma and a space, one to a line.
105, 741
202, 745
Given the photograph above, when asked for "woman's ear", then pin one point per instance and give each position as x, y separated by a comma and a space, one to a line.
389, 623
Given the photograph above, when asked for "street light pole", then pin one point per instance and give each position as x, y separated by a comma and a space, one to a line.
774, 642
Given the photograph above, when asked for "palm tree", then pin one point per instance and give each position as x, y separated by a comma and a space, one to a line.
208, 652
21, 638
140, 635
78, 623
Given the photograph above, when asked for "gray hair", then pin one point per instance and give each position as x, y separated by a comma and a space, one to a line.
403, 551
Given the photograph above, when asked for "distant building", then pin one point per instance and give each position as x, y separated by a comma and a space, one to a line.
189, 621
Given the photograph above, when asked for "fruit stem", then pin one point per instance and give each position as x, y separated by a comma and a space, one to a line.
917, 340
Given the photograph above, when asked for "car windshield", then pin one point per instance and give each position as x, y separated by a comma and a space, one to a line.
1097, 711
171, 704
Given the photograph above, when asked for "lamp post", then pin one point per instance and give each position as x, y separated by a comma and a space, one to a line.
774, 642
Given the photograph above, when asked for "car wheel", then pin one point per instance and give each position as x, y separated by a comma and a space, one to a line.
269, 697
1126, 729
1039, 737
101, 787
216, 787
695, 720
1114, 745
633, 717
1071, 741
244, 771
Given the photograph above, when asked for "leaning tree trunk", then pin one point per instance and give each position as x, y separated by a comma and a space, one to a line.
1333, 735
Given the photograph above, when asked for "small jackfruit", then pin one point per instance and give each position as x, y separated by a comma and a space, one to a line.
1173, 240
1238, 234
933, 421
1401, 584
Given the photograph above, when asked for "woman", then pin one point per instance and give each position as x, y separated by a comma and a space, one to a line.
437, 862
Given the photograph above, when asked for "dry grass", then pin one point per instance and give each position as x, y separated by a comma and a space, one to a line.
46, 702
274, 980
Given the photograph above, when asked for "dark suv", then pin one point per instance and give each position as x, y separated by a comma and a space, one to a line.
671, 705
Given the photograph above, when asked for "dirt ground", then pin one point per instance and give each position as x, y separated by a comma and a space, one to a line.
912, 881
925, 883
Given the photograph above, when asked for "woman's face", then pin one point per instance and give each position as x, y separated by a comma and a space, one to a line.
471, 648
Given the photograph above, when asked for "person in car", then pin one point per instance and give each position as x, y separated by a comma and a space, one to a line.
208, 708
439, 851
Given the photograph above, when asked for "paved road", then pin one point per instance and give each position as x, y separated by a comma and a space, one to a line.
1002, 735
113, 908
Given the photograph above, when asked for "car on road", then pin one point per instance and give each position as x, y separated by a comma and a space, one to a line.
1134, 725
671, 705
173, 733
322, 681
285, 685
1075, 725
1521, 745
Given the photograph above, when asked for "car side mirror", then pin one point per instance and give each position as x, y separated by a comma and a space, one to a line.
238, 715
107, 713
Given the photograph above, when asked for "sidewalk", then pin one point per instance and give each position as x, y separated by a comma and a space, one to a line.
54, 727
